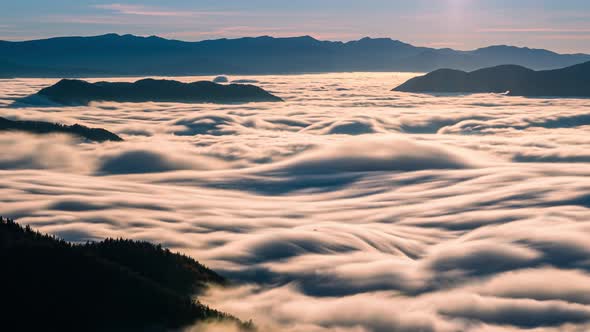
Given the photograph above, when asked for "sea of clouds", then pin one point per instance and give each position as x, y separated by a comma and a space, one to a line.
346, 208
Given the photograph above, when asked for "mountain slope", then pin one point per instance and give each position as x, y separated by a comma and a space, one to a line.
116, 285
40, 127
114, 54
573, 81
76, 92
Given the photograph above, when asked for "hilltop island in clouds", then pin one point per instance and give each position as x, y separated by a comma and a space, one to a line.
514, 80
41, 127
78, 92
113, 54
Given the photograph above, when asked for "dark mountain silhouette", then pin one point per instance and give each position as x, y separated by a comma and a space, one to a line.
10, 69
115, 285
572, 81
40, 127
77, 92
119, 55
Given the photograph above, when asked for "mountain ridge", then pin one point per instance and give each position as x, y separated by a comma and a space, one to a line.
130, 55
79, 92
41, 127
573, 81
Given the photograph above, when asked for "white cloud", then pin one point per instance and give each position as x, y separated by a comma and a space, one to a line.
346, 208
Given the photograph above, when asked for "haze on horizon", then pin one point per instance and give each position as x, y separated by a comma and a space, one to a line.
562, 26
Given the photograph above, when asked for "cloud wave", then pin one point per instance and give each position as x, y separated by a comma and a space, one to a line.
347, 208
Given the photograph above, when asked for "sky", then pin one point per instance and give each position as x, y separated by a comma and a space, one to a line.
562, 26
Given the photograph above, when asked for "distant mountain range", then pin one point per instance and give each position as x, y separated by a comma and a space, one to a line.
573, 81
115, 55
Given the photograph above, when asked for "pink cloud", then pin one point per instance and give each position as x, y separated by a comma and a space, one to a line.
140, 10
535, 30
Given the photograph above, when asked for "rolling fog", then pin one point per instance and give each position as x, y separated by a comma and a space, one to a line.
346, 208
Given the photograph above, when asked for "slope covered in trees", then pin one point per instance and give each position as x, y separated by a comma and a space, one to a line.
40, 127
114, 285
